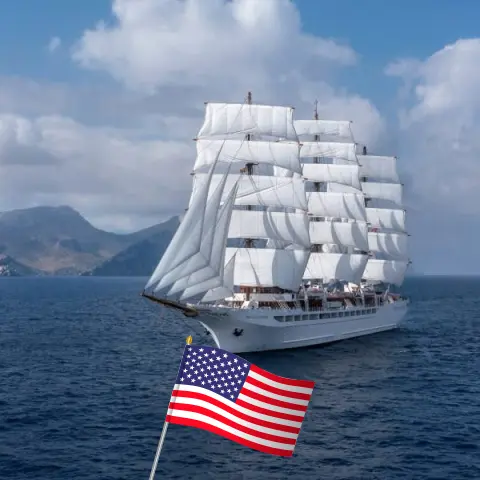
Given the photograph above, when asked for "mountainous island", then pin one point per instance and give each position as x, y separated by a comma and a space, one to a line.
59, 241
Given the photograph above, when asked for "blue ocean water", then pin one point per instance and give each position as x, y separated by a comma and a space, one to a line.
87, 367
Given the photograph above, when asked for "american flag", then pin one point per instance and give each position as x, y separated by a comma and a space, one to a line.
223, 393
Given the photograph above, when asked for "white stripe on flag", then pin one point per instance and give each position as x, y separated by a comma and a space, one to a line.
266, 393
282, 386
269, 406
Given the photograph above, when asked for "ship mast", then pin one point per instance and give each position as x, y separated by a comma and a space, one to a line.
316, 247
248, 242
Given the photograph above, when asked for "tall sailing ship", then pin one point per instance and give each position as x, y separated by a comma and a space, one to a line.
294, 235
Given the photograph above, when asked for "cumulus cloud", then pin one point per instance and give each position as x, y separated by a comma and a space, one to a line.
118, 147
102, 104
102, 172
188, 52
208, 42
439, 142
121, 152
440, 125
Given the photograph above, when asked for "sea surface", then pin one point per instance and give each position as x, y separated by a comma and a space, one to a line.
87, 367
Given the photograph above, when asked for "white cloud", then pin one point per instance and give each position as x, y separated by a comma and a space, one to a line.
186, 52
54, 44
122, 156
104, 173
208, 43
193, 51
440, 125
121, 152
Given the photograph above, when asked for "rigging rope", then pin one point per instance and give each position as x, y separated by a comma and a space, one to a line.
188, 326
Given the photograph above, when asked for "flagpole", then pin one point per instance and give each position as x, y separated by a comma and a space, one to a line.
163, 435
159, 450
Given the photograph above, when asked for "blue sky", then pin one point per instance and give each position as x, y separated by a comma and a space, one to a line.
28, 25
383, 30
378, 30
102, 101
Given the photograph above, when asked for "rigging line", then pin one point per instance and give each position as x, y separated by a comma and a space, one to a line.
183, 320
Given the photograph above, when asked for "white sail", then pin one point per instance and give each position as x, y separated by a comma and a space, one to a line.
338, 266
336, 150
383, 191
335, 187
290, 228
200, 259
379, 167
280, 244
281, 154
334, 128
322, 172
263, 267
283, 172
386, 218
226, 287
337, 205
210, 275
187, 239
268, 267
343, 201
289, 234
239, 119
393, 245
261, 190
389, 247
387, 271
344, 234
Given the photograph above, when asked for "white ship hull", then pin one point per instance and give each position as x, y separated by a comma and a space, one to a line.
252, 330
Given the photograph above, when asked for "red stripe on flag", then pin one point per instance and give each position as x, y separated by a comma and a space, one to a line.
286, 381
205, 426
278, 391
272, 401
241, 415
230, 423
